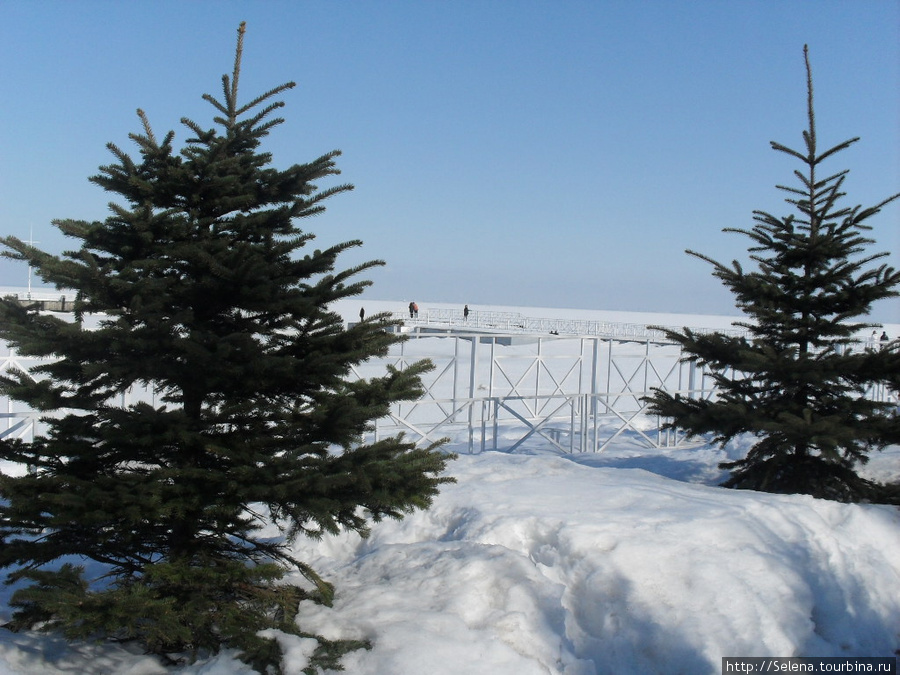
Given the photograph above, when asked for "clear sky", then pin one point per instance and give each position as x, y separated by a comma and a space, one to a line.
508, 152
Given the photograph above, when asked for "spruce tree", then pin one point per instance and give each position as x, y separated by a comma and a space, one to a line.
151, 520
798, 380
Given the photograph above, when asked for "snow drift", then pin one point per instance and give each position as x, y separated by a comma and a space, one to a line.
547, 564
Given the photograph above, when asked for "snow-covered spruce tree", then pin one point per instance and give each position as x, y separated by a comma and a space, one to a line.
801, 379
203, 297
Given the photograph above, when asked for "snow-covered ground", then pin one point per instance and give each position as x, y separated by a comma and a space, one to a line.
629, 561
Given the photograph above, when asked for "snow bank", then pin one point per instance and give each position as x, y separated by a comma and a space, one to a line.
541, 564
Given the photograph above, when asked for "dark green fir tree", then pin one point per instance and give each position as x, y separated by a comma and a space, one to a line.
144, 519
798, 381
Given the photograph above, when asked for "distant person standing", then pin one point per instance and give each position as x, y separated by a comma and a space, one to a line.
466, 313
412, 306
362, 314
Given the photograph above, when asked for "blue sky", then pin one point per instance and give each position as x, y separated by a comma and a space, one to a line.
544, 153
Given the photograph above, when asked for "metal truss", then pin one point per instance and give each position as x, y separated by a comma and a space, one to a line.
511, 390
502, 390
579, 389
18, 423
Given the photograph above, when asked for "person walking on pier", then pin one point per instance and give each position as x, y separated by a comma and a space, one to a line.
466, 313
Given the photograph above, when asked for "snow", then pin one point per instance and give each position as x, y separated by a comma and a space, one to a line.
349, 309
628, 561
